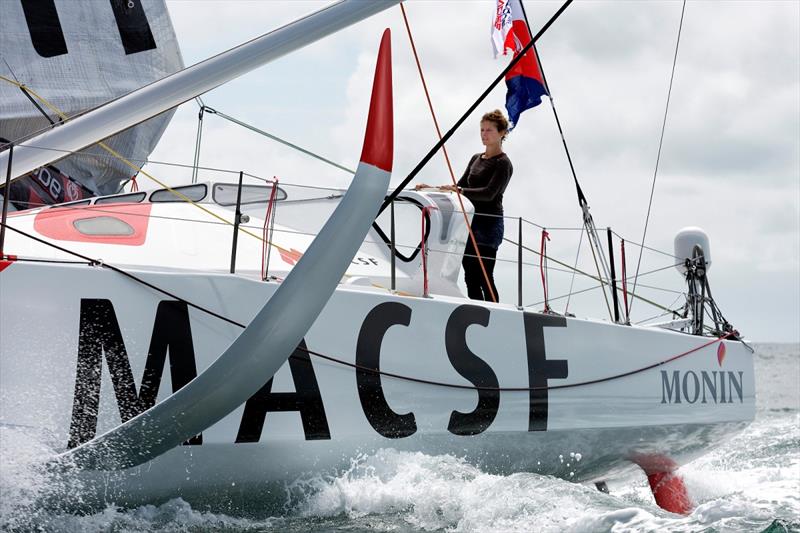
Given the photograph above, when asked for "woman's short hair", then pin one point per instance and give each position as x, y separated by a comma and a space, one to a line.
498, 119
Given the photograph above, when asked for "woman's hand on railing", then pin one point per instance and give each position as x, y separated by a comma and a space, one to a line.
442, 188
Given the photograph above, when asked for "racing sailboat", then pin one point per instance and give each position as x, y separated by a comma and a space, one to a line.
355, 351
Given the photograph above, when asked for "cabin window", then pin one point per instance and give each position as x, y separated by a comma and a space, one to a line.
133, 198
103, 226
225, 194
195, 193
76, 204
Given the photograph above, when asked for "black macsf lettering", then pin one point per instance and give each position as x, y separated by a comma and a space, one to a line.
370, 391
306, 399
541, 369
473, 368
100, 334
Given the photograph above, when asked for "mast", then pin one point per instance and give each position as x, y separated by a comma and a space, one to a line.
157, 97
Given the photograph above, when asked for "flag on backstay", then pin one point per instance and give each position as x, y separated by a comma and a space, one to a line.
524, 82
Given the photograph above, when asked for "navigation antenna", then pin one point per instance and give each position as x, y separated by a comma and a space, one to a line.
692, 246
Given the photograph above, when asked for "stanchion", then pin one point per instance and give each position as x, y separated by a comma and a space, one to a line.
6, 193
393, 249
519, 264
613, 276
425, 212
237, 218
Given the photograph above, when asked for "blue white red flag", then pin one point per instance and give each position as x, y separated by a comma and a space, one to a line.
525, 82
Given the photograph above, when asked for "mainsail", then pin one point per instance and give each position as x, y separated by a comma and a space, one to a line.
74, 55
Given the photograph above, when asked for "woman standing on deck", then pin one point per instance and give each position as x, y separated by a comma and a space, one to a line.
483, 183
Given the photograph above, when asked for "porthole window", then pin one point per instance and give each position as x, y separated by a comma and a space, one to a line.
103, 226
130, 198
226, 193
195, 193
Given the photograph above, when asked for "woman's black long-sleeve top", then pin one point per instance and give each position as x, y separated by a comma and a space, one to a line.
484, 182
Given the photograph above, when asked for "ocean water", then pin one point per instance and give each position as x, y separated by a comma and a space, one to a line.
752, 483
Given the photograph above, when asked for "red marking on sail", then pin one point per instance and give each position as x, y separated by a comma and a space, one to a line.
378, 148
290, 256
721, 353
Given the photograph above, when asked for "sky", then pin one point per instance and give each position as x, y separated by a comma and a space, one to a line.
730, 160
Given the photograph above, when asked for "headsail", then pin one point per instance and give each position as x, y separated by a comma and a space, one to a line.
74, 55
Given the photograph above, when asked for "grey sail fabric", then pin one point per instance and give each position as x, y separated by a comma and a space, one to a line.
77, 55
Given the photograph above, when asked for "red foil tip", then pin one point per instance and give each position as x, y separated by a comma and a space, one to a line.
379, 139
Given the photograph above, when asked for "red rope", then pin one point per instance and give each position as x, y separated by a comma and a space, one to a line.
447, 157
265, 240
542, 260
625, 283
134, 185
425, 211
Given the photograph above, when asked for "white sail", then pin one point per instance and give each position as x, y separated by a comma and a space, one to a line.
76, 55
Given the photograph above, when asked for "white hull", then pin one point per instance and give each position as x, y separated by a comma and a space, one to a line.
669, 411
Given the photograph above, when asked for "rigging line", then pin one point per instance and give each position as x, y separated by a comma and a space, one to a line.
198, 140
97, 262
582, 201
447, 157
36, 105
667, 312
579, 271
47, 104
581, 197
137, 169
568, 268
577, 255
653, 287
603, 282
278, 139
660, 143
80, 153
471, 108
287, 185
632, 295
183, 197
9, 68
662, 252
96, 209
595, 287
54, 261
377, 371
517, 389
